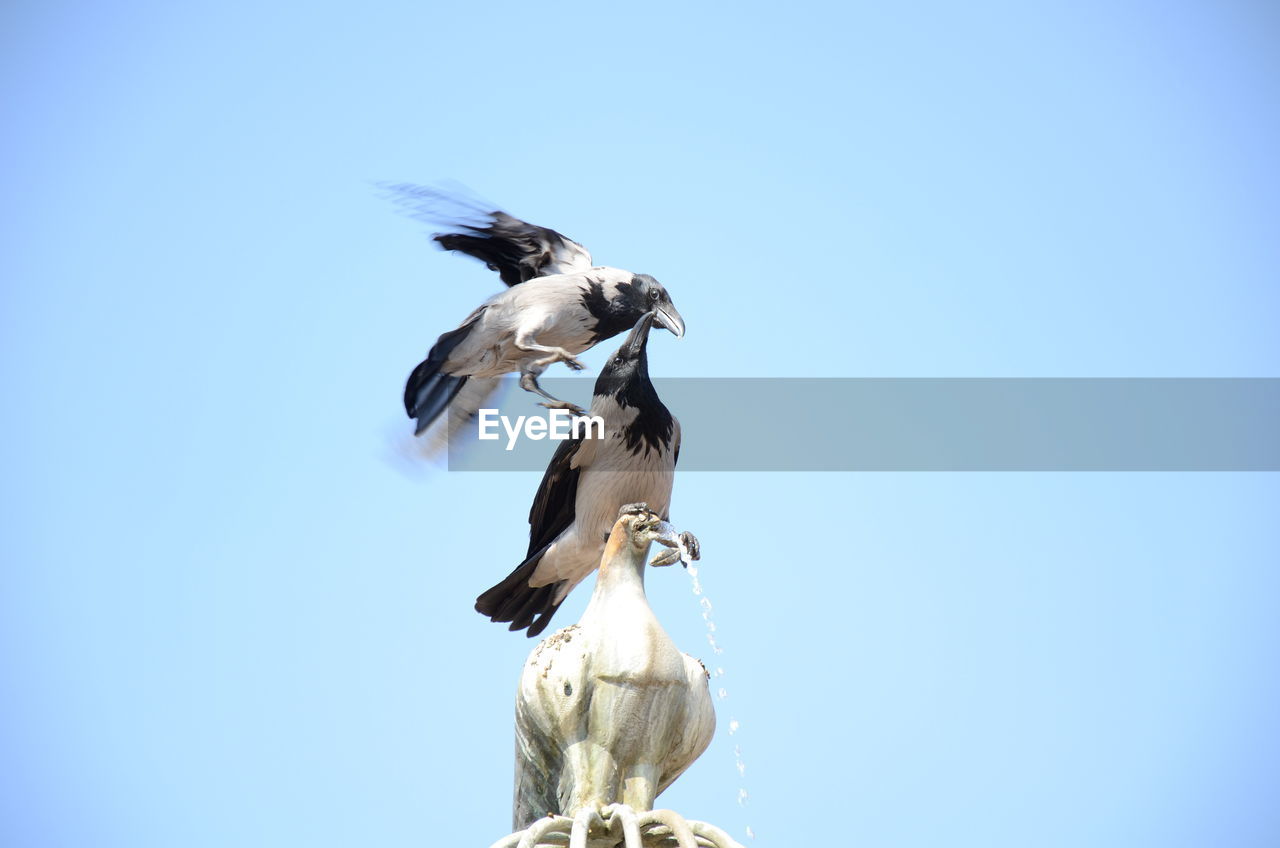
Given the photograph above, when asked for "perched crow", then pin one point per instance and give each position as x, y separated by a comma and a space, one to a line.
587, 482
557, 305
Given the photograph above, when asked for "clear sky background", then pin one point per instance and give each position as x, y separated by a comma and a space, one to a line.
231, 616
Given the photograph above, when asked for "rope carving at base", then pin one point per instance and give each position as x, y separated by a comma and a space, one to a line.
618, 826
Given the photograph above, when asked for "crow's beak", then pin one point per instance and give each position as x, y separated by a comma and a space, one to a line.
635, 342
669, 318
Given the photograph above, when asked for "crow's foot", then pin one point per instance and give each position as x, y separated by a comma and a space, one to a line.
679, 546
692, 545
529, 382
564, 404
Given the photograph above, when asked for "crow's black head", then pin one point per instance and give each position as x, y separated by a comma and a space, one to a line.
625, 378
652, 297
619, 308
629, 365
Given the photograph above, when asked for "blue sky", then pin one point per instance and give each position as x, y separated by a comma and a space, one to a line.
230, 616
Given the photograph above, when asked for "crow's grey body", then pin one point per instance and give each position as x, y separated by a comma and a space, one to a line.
586, 484
547, 312
611, 475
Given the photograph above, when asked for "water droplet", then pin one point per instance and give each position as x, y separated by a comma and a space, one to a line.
706, 608
751, 834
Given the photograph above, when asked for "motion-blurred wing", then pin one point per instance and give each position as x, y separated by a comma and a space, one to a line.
517, 250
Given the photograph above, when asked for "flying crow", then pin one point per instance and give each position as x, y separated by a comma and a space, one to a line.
557, 305
587, 482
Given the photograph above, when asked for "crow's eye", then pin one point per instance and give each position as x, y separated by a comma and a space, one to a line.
653, 294
617, 360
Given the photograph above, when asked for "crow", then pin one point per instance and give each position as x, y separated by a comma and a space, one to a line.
588, 481
556, 306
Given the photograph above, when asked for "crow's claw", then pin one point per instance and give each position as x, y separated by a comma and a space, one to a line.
668, 557
564, 404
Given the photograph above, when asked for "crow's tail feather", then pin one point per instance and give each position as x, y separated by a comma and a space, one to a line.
456, 427
514, 600
429, 389
431, 392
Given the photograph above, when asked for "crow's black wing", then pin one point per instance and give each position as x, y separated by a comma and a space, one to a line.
553, 506
675, 441
517, 250
514, 599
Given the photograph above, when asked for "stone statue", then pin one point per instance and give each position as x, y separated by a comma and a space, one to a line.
610, 712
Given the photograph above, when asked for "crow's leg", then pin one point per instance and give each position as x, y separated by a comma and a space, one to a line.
525, 342
529, 382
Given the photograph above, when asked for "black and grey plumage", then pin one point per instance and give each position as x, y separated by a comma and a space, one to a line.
588, 481
557, 305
